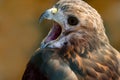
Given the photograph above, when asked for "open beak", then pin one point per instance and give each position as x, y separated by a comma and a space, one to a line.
56, 29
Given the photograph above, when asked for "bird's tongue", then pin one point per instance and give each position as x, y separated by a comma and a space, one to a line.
54, 32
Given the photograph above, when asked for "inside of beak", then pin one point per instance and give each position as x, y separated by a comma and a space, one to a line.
54, 32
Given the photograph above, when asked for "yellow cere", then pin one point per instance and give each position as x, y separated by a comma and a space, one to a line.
54, 10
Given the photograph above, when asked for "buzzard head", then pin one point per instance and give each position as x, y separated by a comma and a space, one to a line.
74, 23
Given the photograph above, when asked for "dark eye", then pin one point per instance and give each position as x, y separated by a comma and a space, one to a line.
72, 20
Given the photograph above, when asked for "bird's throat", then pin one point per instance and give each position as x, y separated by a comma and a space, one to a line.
54, 32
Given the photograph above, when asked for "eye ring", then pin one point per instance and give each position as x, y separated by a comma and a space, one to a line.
72, 20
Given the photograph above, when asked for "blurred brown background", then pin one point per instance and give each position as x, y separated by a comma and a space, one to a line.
20, 33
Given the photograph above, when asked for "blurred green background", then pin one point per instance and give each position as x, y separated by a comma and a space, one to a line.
20, 33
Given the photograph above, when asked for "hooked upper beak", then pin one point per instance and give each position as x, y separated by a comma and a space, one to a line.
48, 14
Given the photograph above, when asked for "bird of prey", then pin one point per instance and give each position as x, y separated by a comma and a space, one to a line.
76, 48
